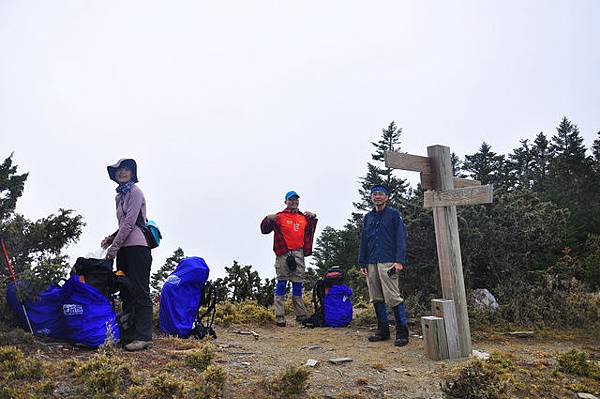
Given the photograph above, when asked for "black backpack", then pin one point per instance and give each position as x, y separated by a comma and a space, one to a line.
333, 276
204, 328
99, 274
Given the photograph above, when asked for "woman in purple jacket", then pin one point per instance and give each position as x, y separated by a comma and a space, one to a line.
129, 246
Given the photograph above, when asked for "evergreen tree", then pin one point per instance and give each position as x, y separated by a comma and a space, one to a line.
571, 182
159, 277
11, 187
34, 247
519, 167
485, 166
379, 174
596, 152
540, 162
242, 282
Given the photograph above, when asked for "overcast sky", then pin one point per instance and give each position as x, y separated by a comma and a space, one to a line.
227, 105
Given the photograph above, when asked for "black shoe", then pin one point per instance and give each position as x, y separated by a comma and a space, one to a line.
382, 333
301, 319
401, 336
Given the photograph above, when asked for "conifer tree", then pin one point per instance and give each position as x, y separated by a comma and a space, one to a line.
377, 173
485, 165
159, 277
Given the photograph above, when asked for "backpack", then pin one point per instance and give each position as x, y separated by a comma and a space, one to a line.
88, 314
334, 310
44, 311
75, 311
184, 292
99, 274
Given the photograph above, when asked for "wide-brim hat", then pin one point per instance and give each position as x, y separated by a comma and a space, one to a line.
129, 163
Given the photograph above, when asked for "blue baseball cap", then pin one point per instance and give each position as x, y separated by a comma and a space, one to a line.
291, 194
380, 187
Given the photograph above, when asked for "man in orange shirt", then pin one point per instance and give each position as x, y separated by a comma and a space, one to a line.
292, 241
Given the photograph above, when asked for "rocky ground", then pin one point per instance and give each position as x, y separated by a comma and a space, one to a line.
377, 370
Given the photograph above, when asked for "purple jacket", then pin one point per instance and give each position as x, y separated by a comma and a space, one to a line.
129, 233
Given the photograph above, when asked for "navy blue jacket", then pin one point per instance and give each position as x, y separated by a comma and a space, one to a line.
383, 238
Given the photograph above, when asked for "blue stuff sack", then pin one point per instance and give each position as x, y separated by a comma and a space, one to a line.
181, 295
338, 306
44, 311
88, 314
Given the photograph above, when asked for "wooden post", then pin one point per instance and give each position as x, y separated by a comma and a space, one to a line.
445, 309
448, 244
434, 337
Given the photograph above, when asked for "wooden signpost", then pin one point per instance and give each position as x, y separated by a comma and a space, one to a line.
446, 192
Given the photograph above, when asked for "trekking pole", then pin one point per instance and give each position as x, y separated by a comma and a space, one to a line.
12, 274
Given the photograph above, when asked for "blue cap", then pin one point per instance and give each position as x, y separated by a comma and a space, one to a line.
291, 194
380, 187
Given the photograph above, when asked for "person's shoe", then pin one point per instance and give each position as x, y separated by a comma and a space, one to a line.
138, 345
280, 321
301, 319
382, 333
401, 336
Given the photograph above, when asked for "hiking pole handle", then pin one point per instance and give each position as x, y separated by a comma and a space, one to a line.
10, 269
14, 279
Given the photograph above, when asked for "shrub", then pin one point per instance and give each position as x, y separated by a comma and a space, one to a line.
163, 386
242, 313
211, 384
548, 302
200, 359
475, 381
291, 384
576, 362
15, 366
103, 375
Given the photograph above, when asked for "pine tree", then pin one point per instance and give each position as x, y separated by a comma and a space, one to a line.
377, 173
34, 247
11, 187
540, 162
159, 277
242, 282
485, 165
571, 182
519, 167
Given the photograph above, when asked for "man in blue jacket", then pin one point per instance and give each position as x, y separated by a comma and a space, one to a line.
381, 257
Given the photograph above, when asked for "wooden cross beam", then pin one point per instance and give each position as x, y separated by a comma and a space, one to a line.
448, 192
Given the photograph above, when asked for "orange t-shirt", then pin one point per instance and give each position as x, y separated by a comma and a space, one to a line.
292, 227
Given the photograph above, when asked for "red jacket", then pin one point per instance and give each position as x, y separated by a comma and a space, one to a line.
279, 245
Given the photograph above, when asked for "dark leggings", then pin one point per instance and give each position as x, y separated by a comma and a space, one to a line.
136, 262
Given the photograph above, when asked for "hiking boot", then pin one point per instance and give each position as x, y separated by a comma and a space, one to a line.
401, 325
280, 322
279, 305
383, 329
299, 308
138, 345
382, 333
301, 319
401, 335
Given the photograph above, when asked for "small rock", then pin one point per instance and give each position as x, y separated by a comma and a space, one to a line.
340, 360
481, 355
372, 387
311, 363
400, 370
311, 347
522, 334
245, 363
582, 395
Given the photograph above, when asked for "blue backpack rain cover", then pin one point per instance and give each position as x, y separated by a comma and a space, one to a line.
181, 295
44, 311
87, 313
338, 306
